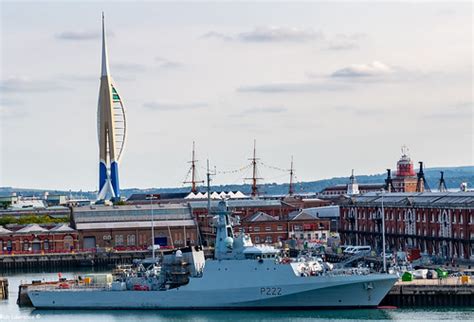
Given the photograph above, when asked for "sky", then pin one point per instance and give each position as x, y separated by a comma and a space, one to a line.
336, 85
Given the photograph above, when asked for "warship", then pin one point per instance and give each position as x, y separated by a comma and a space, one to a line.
240, 276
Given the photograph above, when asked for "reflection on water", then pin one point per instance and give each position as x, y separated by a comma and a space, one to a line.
216, 315
9, 311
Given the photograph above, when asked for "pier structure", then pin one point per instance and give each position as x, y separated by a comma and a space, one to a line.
112, 129
448, 292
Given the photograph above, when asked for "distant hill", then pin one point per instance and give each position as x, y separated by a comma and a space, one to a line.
453, 176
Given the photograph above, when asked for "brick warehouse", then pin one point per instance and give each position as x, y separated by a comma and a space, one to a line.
440, 223
130, 226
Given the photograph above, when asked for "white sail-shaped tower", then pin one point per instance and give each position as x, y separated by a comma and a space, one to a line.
111, 129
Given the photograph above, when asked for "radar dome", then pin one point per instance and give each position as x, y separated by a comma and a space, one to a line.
229, 242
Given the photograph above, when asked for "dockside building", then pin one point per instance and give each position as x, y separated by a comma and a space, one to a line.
437, 223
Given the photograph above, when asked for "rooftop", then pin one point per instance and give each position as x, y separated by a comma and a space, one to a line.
463, 199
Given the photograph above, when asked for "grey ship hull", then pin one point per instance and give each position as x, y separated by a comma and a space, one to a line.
237, 285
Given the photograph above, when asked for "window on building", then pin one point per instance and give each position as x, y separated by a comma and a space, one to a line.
118, 240
26, 245
46, 244
309, 235
279, 227
257, 239
256, 228
68, 243
131, 240
268, 228
460, 218
301, 236
250, 228
454, 218
268, 239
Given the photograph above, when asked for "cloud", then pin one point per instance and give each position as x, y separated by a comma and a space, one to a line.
373, 69
6, 102
80, 35
167, 106
25, 85
217, 35
79, 78
165, 63
11, 109
463, 110
270, 34
345, 41
292, 87
261, 110
277, 34
359, 111
129, 67
268, 110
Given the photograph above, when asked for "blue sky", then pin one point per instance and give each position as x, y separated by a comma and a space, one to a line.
336, 85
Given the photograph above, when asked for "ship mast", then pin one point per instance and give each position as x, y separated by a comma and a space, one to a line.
254, 178
291, 188
193, 181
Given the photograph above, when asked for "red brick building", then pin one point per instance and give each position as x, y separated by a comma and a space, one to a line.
242, 208
129, 226
440, 224
264, 228
33, 238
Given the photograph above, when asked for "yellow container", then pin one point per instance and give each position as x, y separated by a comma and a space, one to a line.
465, 279
87, 280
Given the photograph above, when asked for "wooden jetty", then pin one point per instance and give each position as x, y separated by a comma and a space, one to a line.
3, 288
69, 260
431, 293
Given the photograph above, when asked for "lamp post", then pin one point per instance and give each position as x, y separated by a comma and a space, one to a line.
383, 236
151, 197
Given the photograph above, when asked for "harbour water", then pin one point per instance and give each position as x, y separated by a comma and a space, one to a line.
9, 311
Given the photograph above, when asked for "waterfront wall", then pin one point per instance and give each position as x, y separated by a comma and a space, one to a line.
431, 293
71, 260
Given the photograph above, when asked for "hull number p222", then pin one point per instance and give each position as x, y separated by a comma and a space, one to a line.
270, 291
